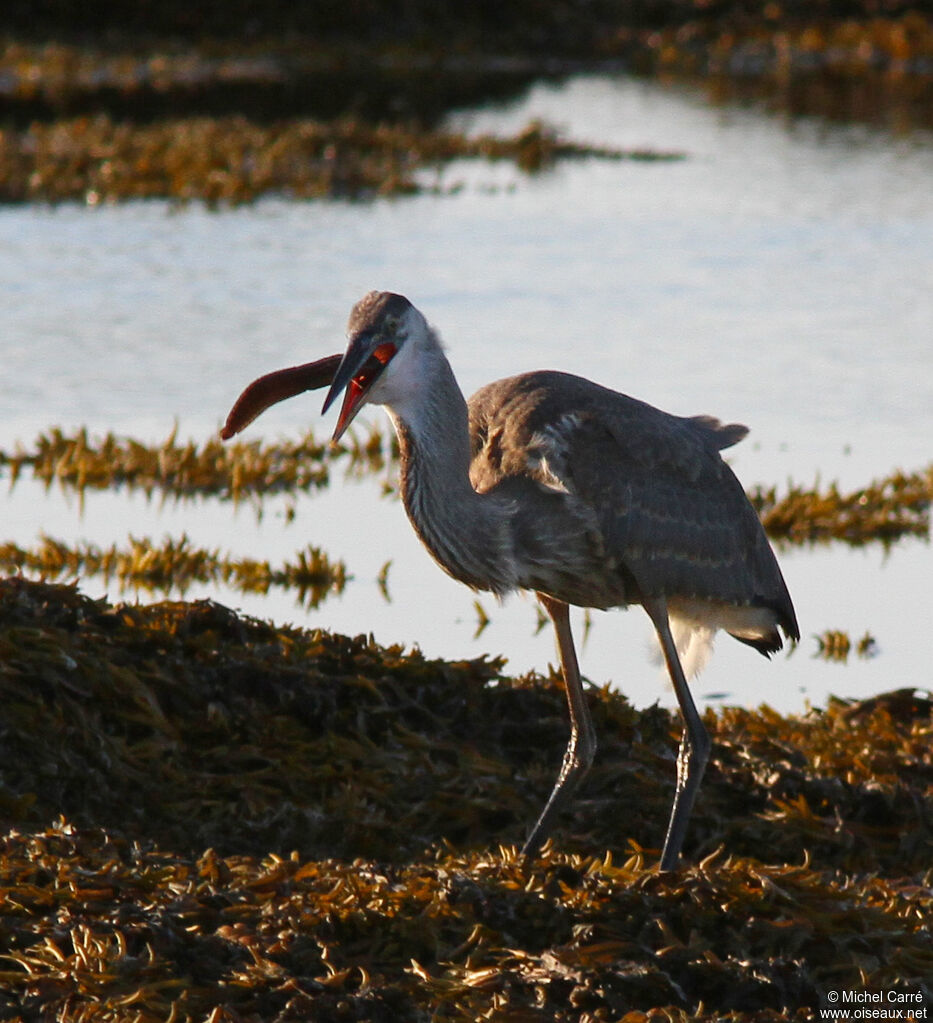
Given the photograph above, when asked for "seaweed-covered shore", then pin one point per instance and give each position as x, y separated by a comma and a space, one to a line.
211, 817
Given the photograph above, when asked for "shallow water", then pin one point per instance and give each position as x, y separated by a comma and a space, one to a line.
781, 275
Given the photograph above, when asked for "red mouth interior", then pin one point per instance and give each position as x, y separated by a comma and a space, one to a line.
361, 383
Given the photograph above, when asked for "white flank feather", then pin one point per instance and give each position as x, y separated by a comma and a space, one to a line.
694, 644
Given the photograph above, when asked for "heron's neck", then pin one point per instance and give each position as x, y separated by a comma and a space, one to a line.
467, 533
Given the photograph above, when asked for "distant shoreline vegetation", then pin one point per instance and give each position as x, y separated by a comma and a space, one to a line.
638, 31
225, 103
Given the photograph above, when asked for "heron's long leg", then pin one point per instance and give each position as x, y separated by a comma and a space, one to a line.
694, 746
581, 748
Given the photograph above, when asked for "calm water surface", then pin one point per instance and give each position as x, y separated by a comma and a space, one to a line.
781, 276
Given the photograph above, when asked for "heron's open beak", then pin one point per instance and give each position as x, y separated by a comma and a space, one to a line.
363, 364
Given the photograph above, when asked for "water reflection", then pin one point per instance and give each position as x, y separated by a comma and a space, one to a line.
900, 104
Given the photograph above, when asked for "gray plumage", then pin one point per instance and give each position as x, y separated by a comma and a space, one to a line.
548, 482
645, 496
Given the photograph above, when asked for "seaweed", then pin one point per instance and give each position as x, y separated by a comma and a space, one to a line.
884, 510
211, 817
235, 472
106, 930
852, 61
174, 565
232, 160
229, 119
836, 645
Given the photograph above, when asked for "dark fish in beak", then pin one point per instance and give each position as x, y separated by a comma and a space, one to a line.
275, 387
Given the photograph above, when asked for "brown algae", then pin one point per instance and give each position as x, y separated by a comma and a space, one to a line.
884, 511
233, 160
237, 471
174, 565
836, 645
272, 823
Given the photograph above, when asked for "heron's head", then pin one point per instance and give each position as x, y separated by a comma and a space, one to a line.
385, 333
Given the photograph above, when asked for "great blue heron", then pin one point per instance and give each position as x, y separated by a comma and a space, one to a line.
549, 482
